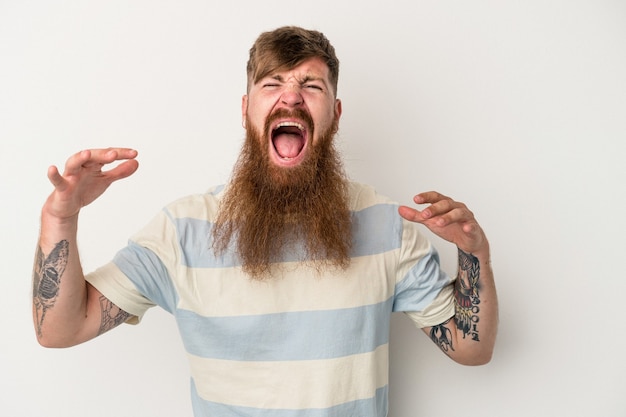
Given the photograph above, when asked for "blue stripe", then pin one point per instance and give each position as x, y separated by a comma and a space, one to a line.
369, 407
194, 236
146, 271
421, 284
377, 229
216, 190
308, 335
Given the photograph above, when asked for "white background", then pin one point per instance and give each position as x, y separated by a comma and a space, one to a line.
516, 108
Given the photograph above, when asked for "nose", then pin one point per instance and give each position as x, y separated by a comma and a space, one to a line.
291, 96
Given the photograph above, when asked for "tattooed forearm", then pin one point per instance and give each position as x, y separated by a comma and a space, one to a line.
112, 315
466, 295
47, 273
442, 336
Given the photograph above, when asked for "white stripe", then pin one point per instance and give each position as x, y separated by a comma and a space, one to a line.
291, 385
199, 205
229, 292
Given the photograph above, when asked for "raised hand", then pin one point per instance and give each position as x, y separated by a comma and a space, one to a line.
83, 179
470, 336
451, 220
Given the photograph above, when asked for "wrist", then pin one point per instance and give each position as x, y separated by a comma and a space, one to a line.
482, 253
57, 211
52, 218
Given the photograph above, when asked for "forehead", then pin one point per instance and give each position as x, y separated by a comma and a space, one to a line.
311, 68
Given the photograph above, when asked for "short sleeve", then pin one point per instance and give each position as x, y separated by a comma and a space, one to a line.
423, 290
116, 286
140, 275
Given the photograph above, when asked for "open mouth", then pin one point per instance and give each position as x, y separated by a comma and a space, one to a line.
289, 140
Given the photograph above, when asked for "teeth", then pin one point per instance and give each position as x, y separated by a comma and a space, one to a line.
290, 124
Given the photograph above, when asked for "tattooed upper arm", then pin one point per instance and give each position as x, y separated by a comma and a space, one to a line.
441, 335
111, 315
466, 304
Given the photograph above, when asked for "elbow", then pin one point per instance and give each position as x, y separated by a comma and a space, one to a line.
50, 339
46, 342
479, 361
52, 343
476, 359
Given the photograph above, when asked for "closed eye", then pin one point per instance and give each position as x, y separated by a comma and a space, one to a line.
314, 87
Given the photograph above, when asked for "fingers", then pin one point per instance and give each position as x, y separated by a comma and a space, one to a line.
95, 159
448, 211
429, 197
123, 170
75, 163
92, 161
448, 219
442, 210
410, 214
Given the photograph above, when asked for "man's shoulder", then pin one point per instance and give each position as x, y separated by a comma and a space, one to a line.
363, 196
196, 205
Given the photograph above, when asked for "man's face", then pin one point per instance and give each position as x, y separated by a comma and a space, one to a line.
288, 182
291, 109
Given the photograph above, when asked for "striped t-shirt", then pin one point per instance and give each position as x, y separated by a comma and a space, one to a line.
299, 344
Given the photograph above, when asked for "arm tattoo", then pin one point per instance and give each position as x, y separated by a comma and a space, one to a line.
466, 295
466, 301
47, 273
442, 336
112, 315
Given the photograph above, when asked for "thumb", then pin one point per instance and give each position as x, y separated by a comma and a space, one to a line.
56, 178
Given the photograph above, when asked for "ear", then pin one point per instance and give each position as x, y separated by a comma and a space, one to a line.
338, 109
244, 110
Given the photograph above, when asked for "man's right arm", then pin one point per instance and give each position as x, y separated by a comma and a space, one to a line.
66, 309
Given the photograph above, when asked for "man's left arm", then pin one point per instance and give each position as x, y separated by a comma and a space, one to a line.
468, 337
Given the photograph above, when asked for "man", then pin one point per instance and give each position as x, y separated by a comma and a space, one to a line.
283, 281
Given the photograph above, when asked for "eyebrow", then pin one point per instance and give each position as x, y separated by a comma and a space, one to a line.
306, 78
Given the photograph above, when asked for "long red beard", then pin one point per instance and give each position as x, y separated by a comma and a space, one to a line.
265, 208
